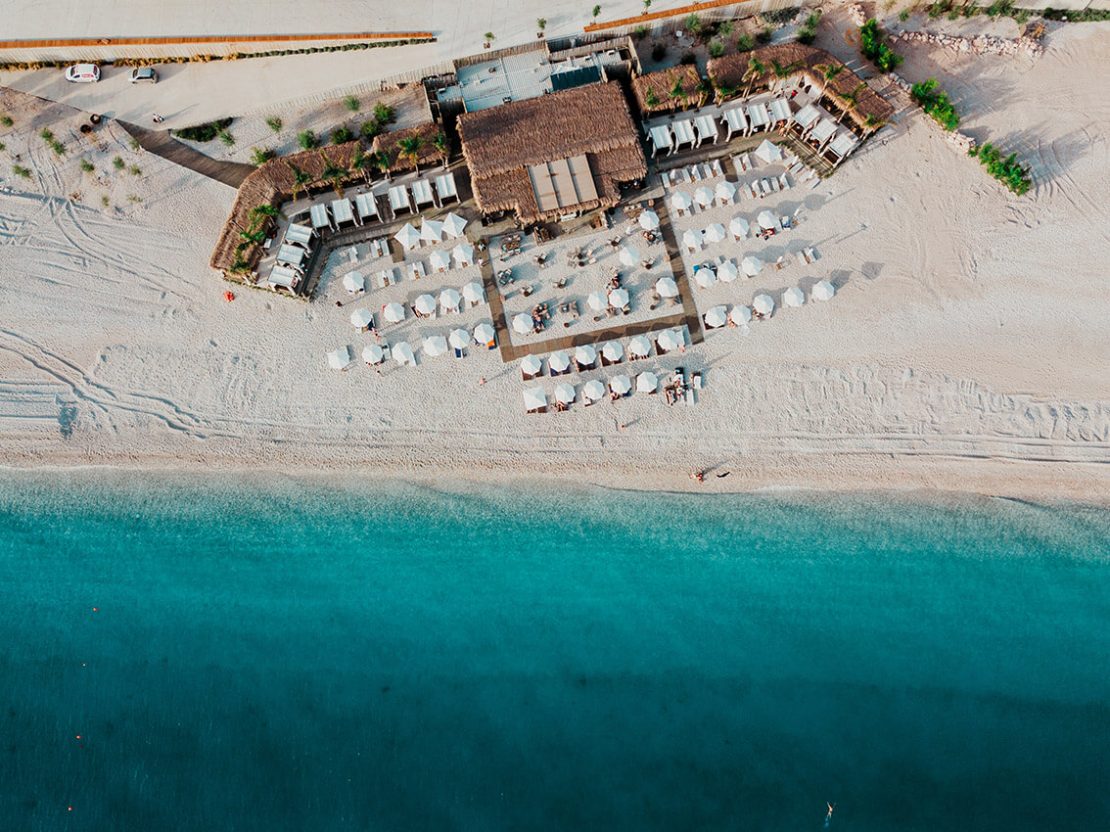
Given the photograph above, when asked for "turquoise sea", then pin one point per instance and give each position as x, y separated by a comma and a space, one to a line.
281, 654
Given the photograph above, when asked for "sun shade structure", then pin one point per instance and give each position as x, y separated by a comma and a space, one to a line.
823, 290
628, 256
440, 260
714, 233
431, 231
339, 358
422, 192
450, 299
620, 384
555, 154
446, 187
463, 254
740, 315
362, 318
531, 365
725, 191
739, 227
522, 323
402, 353
649, 220
435, 346
707, 129
843, 144
373, 354
639, 347
474, 292
661, 138
703, 196
593, 391
283, 277
618, 298
354, 282
751, 265
535, 400
780, 110
681, 201
716, 317
612, 351
794, 297
666, 287
291, 256
558, 362
769, 152
806, 117
597, 301
300, 234
564, 393
585, 355
647, 382
767, 220
763, 304
670, 339
484, 334
726, 272
393, 312
453, 225
341, 211
408, 237
684, 132
691, 239
399, 199
758, 117
705, 277
459, 339
318, 216
366, 206
825, 130
735, 120
425, 304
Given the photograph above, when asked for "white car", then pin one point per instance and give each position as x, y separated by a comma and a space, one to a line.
83, 73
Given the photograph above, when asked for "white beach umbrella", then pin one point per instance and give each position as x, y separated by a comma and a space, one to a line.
531, 365
768, 152
450, 299
649, 220
435, 346
534, 399
639, 347
585, 355
339, 358
618, 298
362, 318
751, 265
794, 297
670, 339
522, 323
597, 301
463, 254
704, 276
739, 227
373, 354
402, 353
558, 361
716, 317
621, 385
691, 239
484, 334
564, 393
766, 220
431, 231
354, 282
740, 315
459, 339
763, 304
393, 312
593, 391
425, 304
726, 191
703, 196
612, 351
628, 256
823, 290
714, 233
666, 287
680, 201
726, 272
440, 260
408, 236
453, 225
474, 292
647, 382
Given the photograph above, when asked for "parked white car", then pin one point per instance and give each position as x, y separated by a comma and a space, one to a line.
83, 73
144, 74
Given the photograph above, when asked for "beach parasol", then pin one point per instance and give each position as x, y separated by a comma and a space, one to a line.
725, 191
740, 315
680, 201
794, 297
522, 323
649, 220
362, 318
670, 339
639, 347
354, 282
763, 304
585, 355
402, 353
558, 362
691, 238
768, 152
593, 391
564, 393
435, 346
339, 358
704, 276
726, 272
647, 382
459, 339
453, 225
714, 233
393, 312
373, 354
703, 196
739, 227
628, 256
463, 254
823, 290
408, 236
666, 287
767, 221
612, 351
440, 260
450, 299
484, 334
618, 298
751, 265
431, 231
425, 304
621, 385
474, 292
531, 365
534, 399
716, 317
597, 301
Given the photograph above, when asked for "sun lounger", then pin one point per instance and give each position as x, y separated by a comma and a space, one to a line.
386, 277
784, 182
801, 258
717, 169
774, 183
417, 270
811, 255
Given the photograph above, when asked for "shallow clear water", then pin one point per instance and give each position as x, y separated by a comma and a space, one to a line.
279, 654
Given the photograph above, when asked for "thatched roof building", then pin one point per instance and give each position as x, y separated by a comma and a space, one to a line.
730, 73
556, 154
653, 90
272, 184
426, 154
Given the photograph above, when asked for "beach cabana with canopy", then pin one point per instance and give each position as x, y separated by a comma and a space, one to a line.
666, 287
454, 225
726, 272
339, 358
366, 206
373, 354
715, 233
535, 400
393, 312
661, 139
341, 211
435, 346
768, 152
805, 118
705, 277
692, 239
751, 265
564, 393
739, 227
680, 201
558, 362
484, 334
422, 192
628, 256
425, 304
707, 129
740, 315
292, 256
362, 318
780, 110
823, 290
825, 130
619, 298
758, 117
531, 366
597, 301
450, 299
620, 384
716, 316
585, 356
474, 292
402, 353
670, 339
431, 231
735, 121
522, 323
354, 282
703, 196
283, 277
647, 382
440, 260
459, 339
445, 187
399, 199
300, 235
725, 192
842, 146
794, 297
649, 220
319, 217
767, 221
408, 237
593, 391
684, 132
463, 254
639, 347
763, 304
612, 352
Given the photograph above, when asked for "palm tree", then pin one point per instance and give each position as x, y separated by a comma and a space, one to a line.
850, 101
755, 71
782, 72
828, 73
440, 143
597, 11
678, 93
382, 162
334, 174
647, 6
651, 99
705, 89
871, 123
362, 163
541, 24
301, 180
489, 36
410, 147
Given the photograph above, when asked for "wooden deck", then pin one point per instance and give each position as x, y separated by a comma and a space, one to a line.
161, 143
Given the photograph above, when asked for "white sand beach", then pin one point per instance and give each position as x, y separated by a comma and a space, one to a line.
967, 347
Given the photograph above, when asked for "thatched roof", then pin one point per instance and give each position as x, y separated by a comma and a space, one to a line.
272, 184
427, 153
500, 143
731, 72
661, 83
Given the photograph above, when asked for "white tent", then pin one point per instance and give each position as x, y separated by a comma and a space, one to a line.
726, 272
564, 393
535, 399
647, 382
440, 260
450, 299
318, 215
639, 347
629, 256
661, 138
680, 201
807, 116
453, 225
284, 277
393, 312
683, 131
825, 130
354, 282
463, 254
649, 220
767, 221
597, 301
666, 287
362, 318
300, 234
366, 205
716, 317
763, 304
435, 346
618, 298
585, 355
425, 304
612, 351
399, 199
705, 277
714, 233
341, 211
768, 152
459, 339
474, 292
531, 365
739, 227
339, 358
431, 231
593, 391
402, 353
726, 191
751, 265
522, 323
446, 187
692, 239
484, 334
794, 297
373, 354
740, 315
408, 237
670, 339
703, 196
558, 361
621, 385
823, 290
422, 192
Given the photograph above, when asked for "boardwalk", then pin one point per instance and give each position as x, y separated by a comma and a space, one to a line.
161, 143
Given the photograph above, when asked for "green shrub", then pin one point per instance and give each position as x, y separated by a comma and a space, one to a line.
135, 170
261, 155
934, 101
764, 35
87, 166
352, 103
274, 123
227, 138
716, 49
3, 146
19, 170
104, 200
874, 47
307, 140
118, 163
369, 129
383, 114
1006, 170
6, 120
340, 135
725, 29
203, 132
904, 15
692, 24
1000, 8
745, 43
640, 32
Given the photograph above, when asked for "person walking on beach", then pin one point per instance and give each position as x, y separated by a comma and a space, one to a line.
157, 119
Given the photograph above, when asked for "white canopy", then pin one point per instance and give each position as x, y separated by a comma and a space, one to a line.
612, 351
703, 196
639, 347
366, 205
402, 353
683, 131
621, 384
585, 355
450, 299
661, 137
705, 277
758, 116
707, 127
463, 254
564, 393
629, 256
751, 265
291, 255
393, 312
780, 109
373, 354
842, 145
824, 130
354, 282
726, 191
649, 220
425, 304
474, 292
459, 339
531, 365
714, 233
715, 317
408, 236
283, 276
691, 239
300, 234
763, 304
740, 315
647, 382
454, 225
362, 318
339, 357
422, 192
726, 272
735, 119
341, 210
593, 390
680, 201
558, 361
318, 216
522, 323
670, 339
666, 287
768, 151
597, 301
431, 231
823, 290
484, 334
807, 116
794, 297
739, 227
534, 399
435, 346
445, 186
440, 260
399, 198
618, 298
767, 220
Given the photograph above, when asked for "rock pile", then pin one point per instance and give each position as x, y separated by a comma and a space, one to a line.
979, 45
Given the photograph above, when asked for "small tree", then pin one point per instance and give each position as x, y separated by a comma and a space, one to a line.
301, 180
382, 162
692, 24
651, 99
850, 100
440, 144
716, 49
489, 36
334, 174
647, 6
541, 24
409, 147
745, 43
678, 93
755, 72
828, 74
361, 162
596, 12
705, 89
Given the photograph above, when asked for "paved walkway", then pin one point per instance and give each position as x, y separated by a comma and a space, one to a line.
161, 143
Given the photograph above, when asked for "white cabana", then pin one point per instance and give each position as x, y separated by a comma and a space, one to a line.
758, 117
751, 265
463, 254
661, 139
422, 192
459, 339
522, 323
763, 304
666, 287
705, 277
362, 318
354, 282
339, 358
373, 354
597, 301
794, 297
283, 277
585, 355
474, 292
558, 362
647, 382
619, 298
408, 237
740, 315
440, 260
715, 233
727, 272
670, 339
825, 130
680, 201
301, 235
454, 225
393, 312
431, 231
612, 351
620, 384
806, 117
399, 199
767, 221
703, 196
450, 299
531, 366
564, 393
402, 353
425, 304
823, 290
769, 152
707, 129
445, 186
716, 316
484, 334
683, 132
735, 120
739, 227
842, 145
649, 220
318, 216
691, 239
435, 346
639, 347
593, 391
366, 206
725, 191
292, 256
629, 256
341, 211
780, 110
